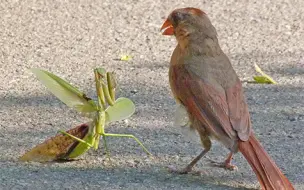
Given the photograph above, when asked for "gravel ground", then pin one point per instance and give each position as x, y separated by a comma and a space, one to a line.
70, 38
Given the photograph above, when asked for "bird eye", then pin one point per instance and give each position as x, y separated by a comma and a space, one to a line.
177, 17
180, 16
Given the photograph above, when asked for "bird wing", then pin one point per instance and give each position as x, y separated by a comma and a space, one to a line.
222, 112
238, 111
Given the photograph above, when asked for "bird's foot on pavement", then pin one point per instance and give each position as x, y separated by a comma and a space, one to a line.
225, 165
186, 170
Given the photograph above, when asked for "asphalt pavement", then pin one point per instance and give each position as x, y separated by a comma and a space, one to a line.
71, 38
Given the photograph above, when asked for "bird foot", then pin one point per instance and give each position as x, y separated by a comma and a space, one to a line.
225, 165
186, 170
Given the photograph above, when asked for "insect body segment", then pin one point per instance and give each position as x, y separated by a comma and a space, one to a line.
75, 142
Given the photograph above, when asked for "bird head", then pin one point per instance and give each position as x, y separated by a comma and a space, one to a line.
191, 28
182, 20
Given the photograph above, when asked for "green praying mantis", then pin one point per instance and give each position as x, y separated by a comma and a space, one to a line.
75, 142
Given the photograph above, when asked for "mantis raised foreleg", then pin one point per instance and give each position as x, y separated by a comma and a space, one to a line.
78, 140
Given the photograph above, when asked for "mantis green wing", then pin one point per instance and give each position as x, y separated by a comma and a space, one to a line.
64, 91
122, 109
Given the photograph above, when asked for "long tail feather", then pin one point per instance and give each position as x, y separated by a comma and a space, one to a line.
267, 172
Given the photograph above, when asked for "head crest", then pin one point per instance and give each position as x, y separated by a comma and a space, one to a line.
194, 11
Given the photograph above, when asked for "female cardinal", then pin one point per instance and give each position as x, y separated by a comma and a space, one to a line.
203, 81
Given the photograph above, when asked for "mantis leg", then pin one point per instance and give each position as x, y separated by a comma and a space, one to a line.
106, 145
128, 136
76, 138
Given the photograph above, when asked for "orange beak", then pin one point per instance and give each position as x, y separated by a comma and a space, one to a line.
168, 28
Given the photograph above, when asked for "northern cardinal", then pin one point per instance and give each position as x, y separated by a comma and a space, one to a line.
203, 81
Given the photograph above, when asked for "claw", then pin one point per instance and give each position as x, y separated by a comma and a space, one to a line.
225, 165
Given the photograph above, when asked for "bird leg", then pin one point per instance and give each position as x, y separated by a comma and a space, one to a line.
207, 144
226, 164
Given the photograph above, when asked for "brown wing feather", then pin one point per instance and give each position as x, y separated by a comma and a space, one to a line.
238, 111
209, 105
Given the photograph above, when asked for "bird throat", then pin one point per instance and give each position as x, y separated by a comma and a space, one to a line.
182, 37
